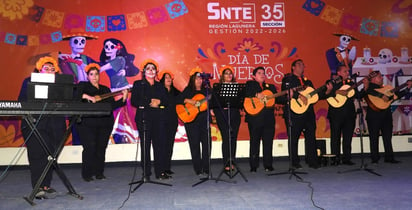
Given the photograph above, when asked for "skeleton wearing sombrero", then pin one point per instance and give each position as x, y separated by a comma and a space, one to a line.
341, 55
75, 62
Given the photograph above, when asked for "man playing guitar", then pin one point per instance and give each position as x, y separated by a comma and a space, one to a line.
305, 121
342, 119
381, 120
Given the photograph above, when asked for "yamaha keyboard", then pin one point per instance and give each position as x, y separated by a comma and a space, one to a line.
17, 108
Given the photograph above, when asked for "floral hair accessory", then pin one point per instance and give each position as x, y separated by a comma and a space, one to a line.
149, 61
226, 67
195, 70
118, 46
92, 66
47, 59
163, 72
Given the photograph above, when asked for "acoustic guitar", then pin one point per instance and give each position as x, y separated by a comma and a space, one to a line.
377, 103
188, 112
111, 94
297, 105
339, 100
254, 105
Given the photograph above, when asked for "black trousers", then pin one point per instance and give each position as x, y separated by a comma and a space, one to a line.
383, 125
52, 130
151, 128
197, 135
342, 126
94, 139
264, 131
170, 133
223, 125
307, 125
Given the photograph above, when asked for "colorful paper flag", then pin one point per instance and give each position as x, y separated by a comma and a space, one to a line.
53, 18
36, 12
73, 21
176, 8
21, 40
157, 15
33, 40
10, 38
350, 22
116, 23
331, 14
314, 7
137, 20
56, 36
389, 29
95, 23
369, 27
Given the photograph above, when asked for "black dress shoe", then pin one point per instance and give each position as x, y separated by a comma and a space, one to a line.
100, 177
348, 162
268, 169
253, 170
297, 166
163, 176
392, 161
88, 179
169, 172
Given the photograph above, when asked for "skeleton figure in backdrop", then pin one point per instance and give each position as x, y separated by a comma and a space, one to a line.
75, 62
118, 64
341, 55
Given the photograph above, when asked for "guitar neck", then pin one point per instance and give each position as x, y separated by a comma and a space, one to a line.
111, 94
355, 85
284, 92
399, 87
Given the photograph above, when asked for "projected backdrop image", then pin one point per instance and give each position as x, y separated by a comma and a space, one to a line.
180, 35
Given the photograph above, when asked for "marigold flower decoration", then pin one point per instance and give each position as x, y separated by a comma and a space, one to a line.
47, 59
15, 9
223, 68
195, 70
147, 61
163, 72
92, 65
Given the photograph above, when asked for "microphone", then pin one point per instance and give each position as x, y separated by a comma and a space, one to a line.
206, 75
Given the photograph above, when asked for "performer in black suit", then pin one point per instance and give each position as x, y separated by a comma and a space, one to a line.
227, 76
166, 79
342, 120
262, 125
380, 120
197, 129
94, 132
51, 128
150, 99
305, 122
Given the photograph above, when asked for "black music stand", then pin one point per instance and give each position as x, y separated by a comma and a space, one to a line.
145, 178
292, 171
206, 84
363, 166
52, 158
230, 94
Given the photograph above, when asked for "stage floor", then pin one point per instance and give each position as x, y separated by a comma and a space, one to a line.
331, 190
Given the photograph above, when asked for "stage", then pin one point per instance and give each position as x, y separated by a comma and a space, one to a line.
332, 190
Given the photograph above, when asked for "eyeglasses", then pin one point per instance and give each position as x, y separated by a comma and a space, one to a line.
48, 69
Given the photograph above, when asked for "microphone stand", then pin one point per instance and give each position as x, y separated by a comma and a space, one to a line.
206, 83
145, 178
292, 171
363, 166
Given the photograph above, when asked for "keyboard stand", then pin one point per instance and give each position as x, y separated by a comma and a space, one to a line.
52, 159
